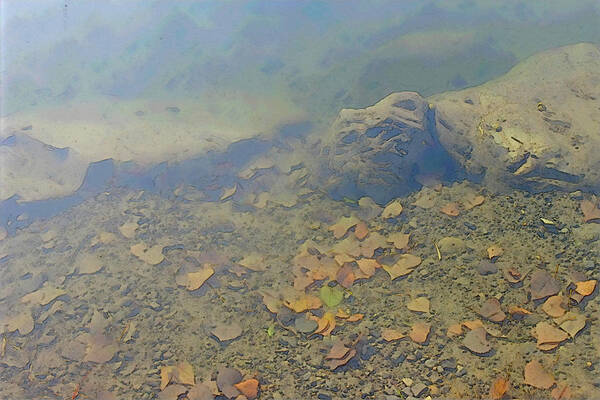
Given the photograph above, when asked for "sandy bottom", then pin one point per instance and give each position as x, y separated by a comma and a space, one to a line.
96, 302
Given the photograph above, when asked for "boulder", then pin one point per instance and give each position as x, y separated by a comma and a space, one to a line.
537, 127
384, 151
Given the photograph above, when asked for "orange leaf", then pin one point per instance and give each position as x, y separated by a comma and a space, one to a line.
342, 226
585, 288
499, 388
345, 276
391, 334
450, 209
420, 332
303, 303
337, 351
249, 388
361, 230
590, 211
454, 330
516, 310
494, 251
368, 266
355, 317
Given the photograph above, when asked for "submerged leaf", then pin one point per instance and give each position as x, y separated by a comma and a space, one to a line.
393, 209
499, 388
392, 334
476, 341
590, 211
331, 296
536, 376
341, 227
420, 304
543, 285
450, 209
420, 332
404, 266
248, 388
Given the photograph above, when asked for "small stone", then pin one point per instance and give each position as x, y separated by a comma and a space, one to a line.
449, 364
419, 389
407, 381
461, 371
430, 363
323, 396
407, 391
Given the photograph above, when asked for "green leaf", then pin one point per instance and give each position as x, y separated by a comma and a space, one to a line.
331, 296
271, 330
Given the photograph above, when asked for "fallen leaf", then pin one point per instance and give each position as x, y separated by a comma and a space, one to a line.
228, 192
585, 288
454, 330
391, 334
472, 200
248, 388
368, 266
128, 229
494, 251
590, 211
572, 323
404, 266
419, 332
303, 303
561, 392
361, 230
331, 296
43, 296
476, 341
499, 388
519, 311
194, 280
334, 363
225, 332
543, 285
355, 317
150, 255
491, 310
553, 306
549, 337
88, 264
450, 209
474, 324
342, 259
420, 304
200, 391
392, 209
337, 351
341, 227
226, 380
172, 392
368, 208
100, 349
345, 276
272, 302
325, 325
254, 262
512, 275
536, 376
400, 240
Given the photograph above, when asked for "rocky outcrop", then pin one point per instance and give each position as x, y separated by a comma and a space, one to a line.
537, 127
384, 151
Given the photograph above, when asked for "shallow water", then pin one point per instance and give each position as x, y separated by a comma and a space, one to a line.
184, 230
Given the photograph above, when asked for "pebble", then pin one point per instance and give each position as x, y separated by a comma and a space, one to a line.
470, 226
407, 381
430, 363
449, 364
323, 396
419, 389
487, 268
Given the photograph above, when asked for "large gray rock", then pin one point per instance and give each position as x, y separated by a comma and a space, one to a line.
537, 127
384, 151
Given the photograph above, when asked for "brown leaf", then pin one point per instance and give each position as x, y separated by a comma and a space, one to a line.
404, 266
392, 209
543, 285
325, 325
226, 380
536, 376
499, 388
400, 240
585, 288
150, 255
337, 351
249, 388
476, 341
254, 262
333, 364
368, 266
590, 211
512, 275
420, 304
571, 322
340, 228
272, 302
194, 280
303, 303
391, 334
361, 230
491, 310
200, 391
225, 332
345, 276
355, 317
100, 349
419, 332
553, 306
172, 392
519, 311
450, 209
472, 200
454, 330
494, 251
549, 337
